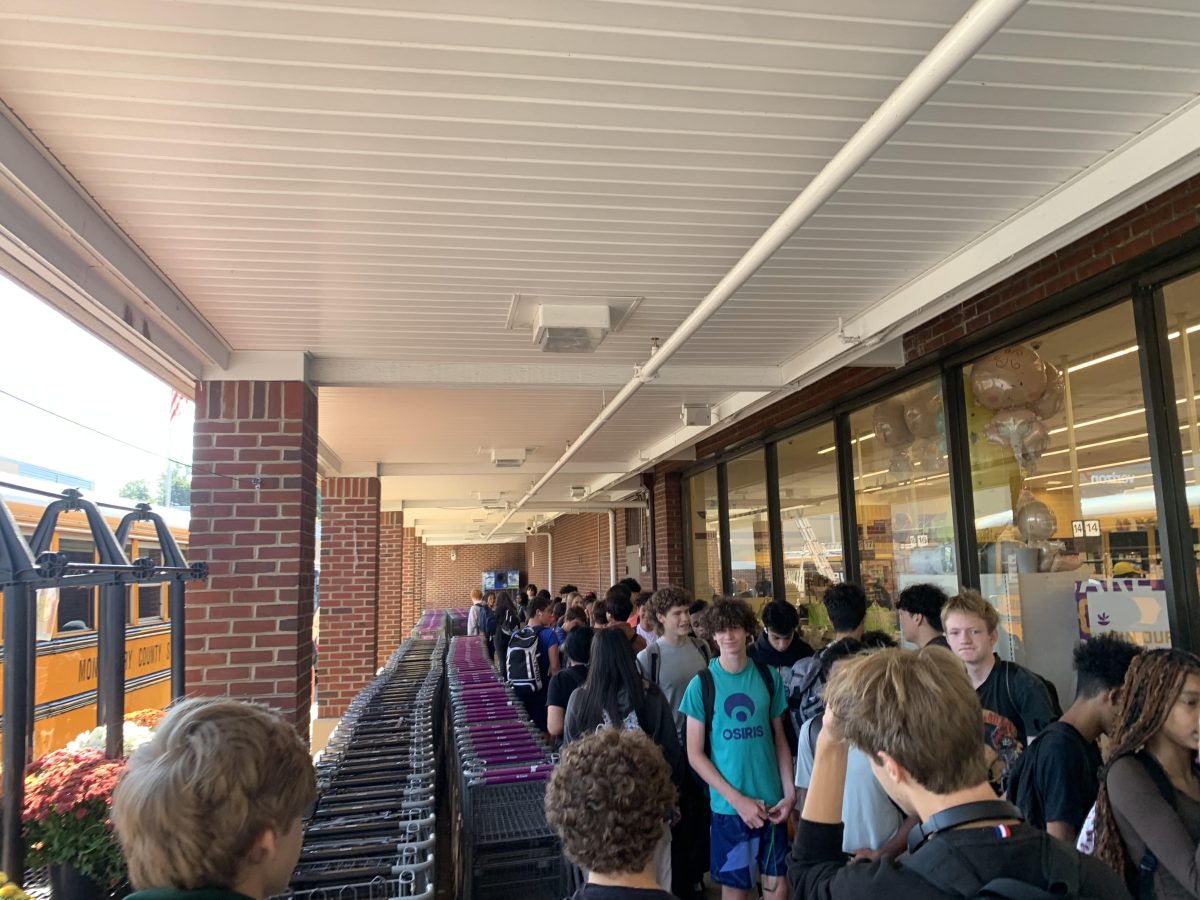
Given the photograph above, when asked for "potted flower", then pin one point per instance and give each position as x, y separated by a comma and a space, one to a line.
68, 796
10, 891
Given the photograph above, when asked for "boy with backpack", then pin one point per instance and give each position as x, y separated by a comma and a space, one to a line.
533, 659
670, 662
916, 716
736, 744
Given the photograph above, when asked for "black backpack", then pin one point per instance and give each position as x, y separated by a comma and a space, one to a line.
708, 694
946, 867
487, 621
522, 663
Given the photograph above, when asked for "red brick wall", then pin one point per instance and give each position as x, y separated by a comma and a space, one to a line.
411, 589
254, 503
390, 632
580, 552
1152, 224
448, 582
349, 590
668, 529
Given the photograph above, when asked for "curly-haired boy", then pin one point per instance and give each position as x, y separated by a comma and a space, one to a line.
609, 800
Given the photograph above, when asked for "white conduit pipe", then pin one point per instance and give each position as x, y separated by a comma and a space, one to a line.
960, 43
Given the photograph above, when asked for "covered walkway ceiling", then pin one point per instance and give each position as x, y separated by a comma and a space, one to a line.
227, 187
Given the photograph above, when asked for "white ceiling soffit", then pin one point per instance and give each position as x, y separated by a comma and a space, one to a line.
373, 184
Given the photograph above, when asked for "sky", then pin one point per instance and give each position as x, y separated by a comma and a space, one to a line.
97, 402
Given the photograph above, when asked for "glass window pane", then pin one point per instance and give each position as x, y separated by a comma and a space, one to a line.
749, 527
1064, 503
704, 525
902, 499
150, 595
1183, 321
811, 519
76, 612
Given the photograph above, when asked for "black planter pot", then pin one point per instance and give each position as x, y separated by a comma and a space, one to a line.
68, 883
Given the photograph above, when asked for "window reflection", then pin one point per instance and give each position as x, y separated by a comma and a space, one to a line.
749, 528
704, 533
902, 499
1064, 502
1182, 300
812, 522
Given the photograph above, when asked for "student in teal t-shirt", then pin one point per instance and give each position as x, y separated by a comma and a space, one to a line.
748, 767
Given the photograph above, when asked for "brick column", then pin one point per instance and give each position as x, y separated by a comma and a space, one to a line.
391, 585
254, 503
420, 585
349, 590
668, 529
409, 613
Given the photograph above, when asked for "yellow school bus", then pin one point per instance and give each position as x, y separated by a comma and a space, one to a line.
66, 676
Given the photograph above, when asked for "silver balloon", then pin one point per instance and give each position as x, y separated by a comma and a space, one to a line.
1009, 378
1056, 391
1022, 432
901, 466
1036, 521
890, 426
923, 414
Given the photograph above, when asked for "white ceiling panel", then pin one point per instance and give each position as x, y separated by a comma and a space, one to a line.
376, 180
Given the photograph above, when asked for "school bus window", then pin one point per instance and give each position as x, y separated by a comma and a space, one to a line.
76, 609
149, 596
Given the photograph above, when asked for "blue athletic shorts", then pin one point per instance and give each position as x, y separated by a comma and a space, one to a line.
734, 846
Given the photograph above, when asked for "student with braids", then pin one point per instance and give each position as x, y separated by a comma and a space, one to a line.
1148, 812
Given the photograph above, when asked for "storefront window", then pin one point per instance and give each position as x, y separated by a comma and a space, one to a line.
749, 528
1182, 299
1064, 502
704, 533
902, 499
811, 519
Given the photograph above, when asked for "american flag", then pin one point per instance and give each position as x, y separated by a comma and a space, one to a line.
177, 401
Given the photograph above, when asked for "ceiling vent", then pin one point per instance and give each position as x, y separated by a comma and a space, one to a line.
570, 329
508, 459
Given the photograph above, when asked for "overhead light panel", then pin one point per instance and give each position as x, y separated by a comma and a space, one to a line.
508, 458
570, 329
696, 414
578, 491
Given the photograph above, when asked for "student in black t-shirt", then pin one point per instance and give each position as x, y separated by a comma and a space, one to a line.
1057, 779
1016, 704
609, 800
916, 719
578, 650
920, 607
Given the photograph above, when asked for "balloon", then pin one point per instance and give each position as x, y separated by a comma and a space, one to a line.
1035, 520
1021, 431
1056, 391
890, 426
901, 466
1009, 378
930, 455
1048, 552
923, 414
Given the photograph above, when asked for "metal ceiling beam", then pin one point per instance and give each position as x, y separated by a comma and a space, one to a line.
487, 469
55, 235
341, 372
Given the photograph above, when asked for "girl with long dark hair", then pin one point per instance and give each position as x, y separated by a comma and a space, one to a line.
1148, 811
616, 696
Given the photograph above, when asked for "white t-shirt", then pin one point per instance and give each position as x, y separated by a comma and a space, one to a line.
869, 815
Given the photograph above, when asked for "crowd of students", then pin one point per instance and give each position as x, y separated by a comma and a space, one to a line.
698, 742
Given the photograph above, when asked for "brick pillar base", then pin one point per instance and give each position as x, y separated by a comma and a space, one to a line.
668, 529
349, 590
391, 585
254, 505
